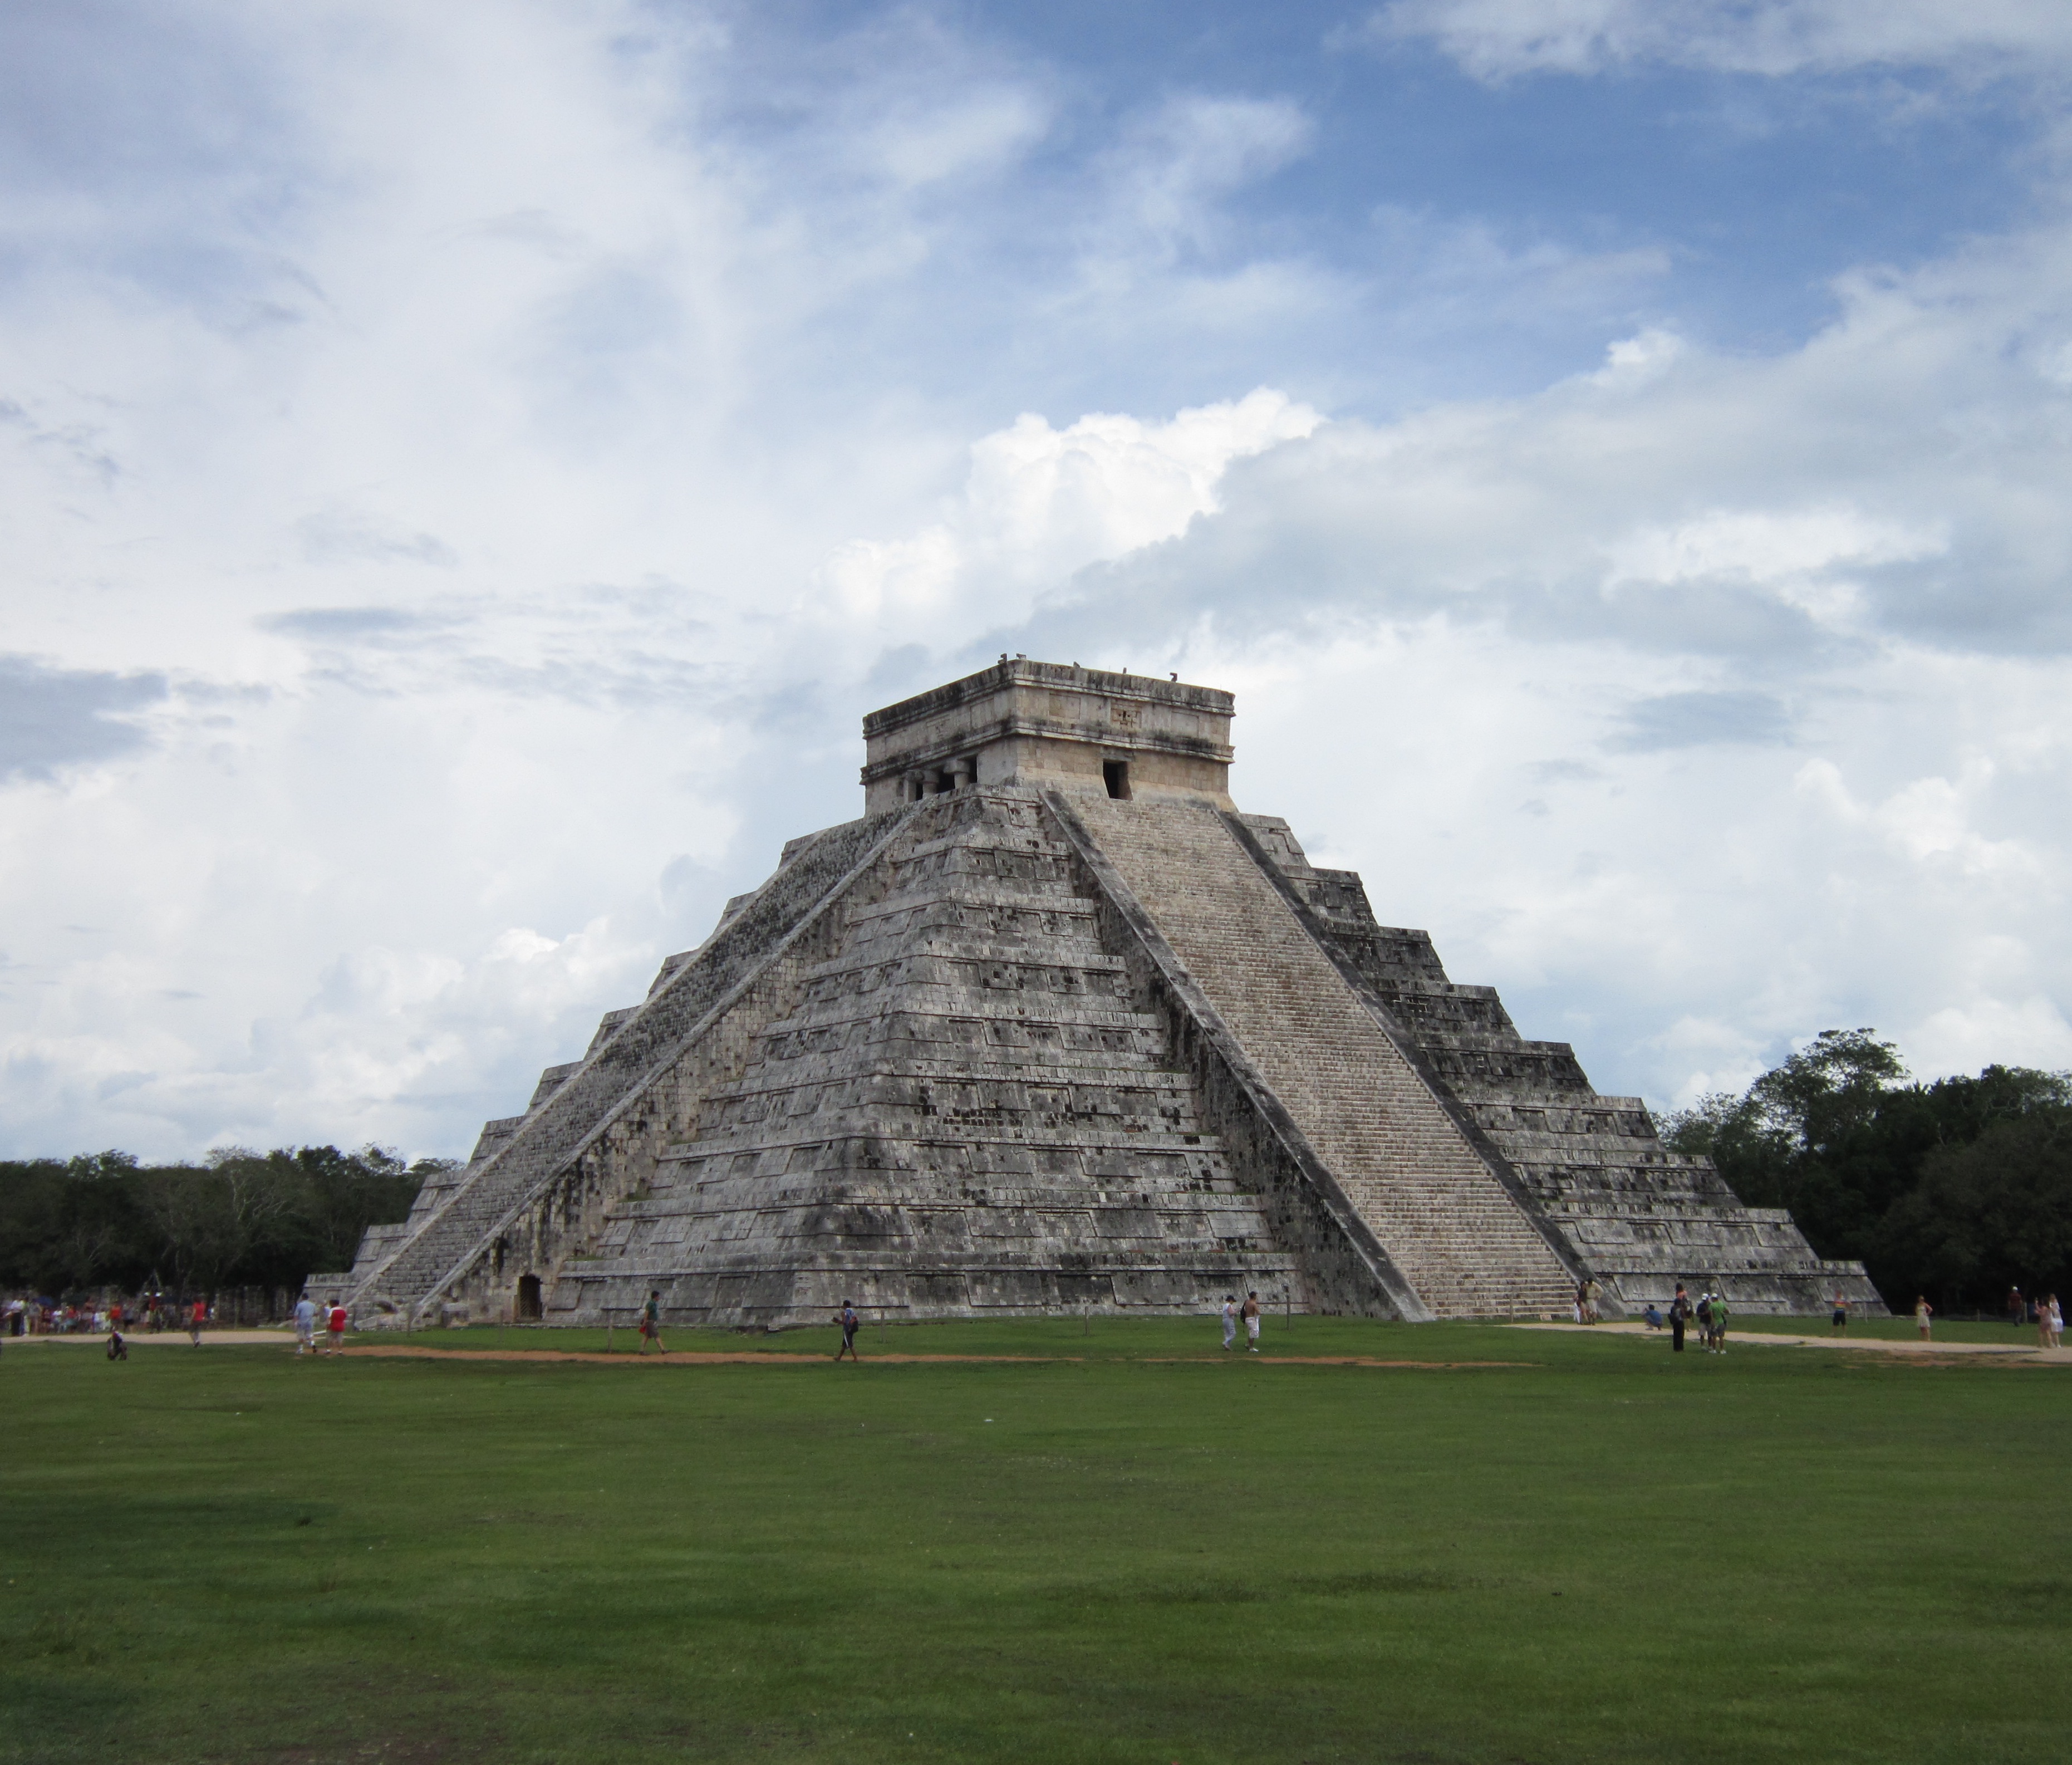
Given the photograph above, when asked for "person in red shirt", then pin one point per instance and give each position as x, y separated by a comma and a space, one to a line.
195, 1319
337, 1329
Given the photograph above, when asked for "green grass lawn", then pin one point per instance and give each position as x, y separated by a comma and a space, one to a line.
1610, 1553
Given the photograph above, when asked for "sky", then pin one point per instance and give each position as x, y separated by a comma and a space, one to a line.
466, 470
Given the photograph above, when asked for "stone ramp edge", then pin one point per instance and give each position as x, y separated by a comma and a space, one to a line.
657, 1068
1499, 1166
1357, 1236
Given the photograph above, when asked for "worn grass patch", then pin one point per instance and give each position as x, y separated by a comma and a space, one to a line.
1611, 1554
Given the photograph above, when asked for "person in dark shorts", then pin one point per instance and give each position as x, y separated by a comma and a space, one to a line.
651, 1322
848, 1320
1680, 1314
1841, 1318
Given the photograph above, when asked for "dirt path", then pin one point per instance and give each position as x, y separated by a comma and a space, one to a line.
2013, 1353
694, 1358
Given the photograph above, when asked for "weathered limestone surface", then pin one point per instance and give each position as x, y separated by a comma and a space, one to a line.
1055, 1027
1465, 1246
1638, 1216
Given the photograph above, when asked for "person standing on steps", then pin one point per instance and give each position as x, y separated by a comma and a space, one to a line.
1229, 1322
1923, 1313
1679, 1314
848, 1320
651, 1322
1251, 1320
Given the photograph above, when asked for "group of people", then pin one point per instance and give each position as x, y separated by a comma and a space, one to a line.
44, 1316
335, 1318
2044, 1313
1588, 1293
1232, 1312
1709, 1312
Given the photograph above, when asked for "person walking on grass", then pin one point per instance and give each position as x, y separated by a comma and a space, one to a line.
1251, 1320
196, 1318
336, 1328
651, 1322
848, 1320
2056, 1321
1680, 1314
1718, 1323
1923, 1313
1229, 1322
2017, 1309
1841, 1317
306, 1325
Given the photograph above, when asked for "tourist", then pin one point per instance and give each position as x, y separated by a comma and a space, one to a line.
1923, 1313
2057, 1314
1229, 1322
1841, 1317
849, 1322
1652, 1317
306, 1325
1591, 1294
1577, 1308
197, 1316
1719, 1343
118, 1348
1251, 1320
336, 1330
1680, 1312
2016, 1310
651, 1322
1704, 1317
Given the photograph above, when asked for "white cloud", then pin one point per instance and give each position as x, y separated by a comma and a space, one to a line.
1499, 39
1041, 502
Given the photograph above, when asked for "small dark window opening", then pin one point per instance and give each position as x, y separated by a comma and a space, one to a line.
528, 1299
1117, 773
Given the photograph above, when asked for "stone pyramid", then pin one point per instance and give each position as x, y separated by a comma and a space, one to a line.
1053, 1026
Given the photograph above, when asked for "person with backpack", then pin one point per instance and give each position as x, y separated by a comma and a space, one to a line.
848, 1320
651, 1322
1704, 1317
1679, 1314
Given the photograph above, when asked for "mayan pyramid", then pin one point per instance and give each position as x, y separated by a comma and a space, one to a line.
1054, 1026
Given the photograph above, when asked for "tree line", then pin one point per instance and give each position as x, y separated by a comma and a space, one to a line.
240, 1219
1959, 1189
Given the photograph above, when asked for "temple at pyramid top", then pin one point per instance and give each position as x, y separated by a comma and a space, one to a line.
1052, 727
